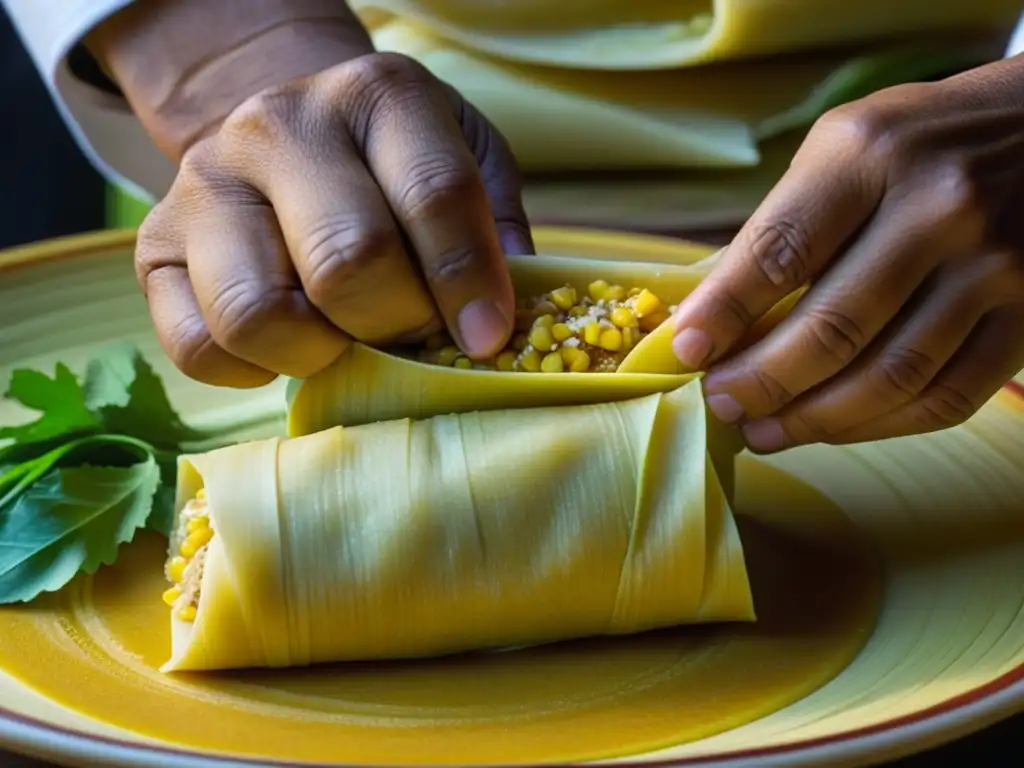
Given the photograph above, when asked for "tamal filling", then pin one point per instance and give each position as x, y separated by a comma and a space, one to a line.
563, 332
184, 569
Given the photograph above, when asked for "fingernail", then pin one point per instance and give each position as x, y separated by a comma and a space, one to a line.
692, 346
514, 242
483, 327
725, 408
765, 435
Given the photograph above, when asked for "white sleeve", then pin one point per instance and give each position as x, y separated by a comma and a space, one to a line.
102, 124
1016, 39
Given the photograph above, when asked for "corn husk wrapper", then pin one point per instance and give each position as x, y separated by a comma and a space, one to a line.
416, 538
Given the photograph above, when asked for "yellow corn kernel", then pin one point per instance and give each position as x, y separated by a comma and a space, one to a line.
645, 303
623, 317
176, 569
552, 363
611, 339
597, 289
632, 292
530, 360
541, 338
630, 337
187, 550
649, 322
447, 355
463, 362
561, 332
171, 595
575, 359
564, 297
198, 539
187, 613
544, 321
201, 494
615, 293
436, 341
592, 334
506, 361
519, 342
202, 521
578, 311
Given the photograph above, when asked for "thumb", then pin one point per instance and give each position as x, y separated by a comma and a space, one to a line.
500, 174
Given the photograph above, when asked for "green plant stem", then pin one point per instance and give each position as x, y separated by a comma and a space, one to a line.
25, 474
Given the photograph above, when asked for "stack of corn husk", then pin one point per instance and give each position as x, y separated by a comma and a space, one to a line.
687, 111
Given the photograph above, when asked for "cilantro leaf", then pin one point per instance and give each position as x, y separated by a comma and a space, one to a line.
70, 520
60, 400
125, 393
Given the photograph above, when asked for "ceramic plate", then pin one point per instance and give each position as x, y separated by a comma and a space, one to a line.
940, 652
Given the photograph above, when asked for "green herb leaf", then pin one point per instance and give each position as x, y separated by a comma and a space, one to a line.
71, 520
98, 464
161, 518
124, 391
60, 400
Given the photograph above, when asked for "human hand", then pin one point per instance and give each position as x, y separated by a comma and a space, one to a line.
903, 210
364, 199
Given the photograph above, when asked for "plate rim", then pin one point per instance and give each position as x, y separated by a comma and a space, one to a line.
938, 724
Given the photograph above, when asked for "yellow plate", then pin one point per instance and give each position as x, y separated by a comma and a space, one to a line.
946, 655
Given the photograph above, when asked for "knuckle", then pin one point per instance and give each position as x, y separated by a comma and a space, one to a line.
269, 117
861, 127
774, 393
943, 407
210, 172
727, 308
382, 72
189, 345
435, 185
374, 90
807, 428
450, 265
955, 196
241, 308
903, 372
338, 252
782, 253
199, 172
377, 82
835, 333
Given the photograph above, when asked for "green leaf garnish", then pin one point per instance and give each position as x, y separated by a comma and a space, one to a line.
61, 400
98, 463
71, 520
124, 390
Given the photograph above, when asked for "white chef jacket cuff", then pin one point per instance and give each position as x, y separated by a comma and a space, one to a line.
101, 122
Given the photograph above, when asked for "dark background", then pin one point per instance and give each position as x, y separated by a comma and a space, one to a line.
47, 189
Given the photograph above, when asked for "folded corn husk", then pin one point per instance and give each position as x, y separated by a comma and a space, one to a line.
366, 384
653, 34
712, 117
403, 538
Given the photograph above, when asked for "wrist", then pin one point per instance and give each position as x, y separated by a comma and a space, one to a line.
184, 65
